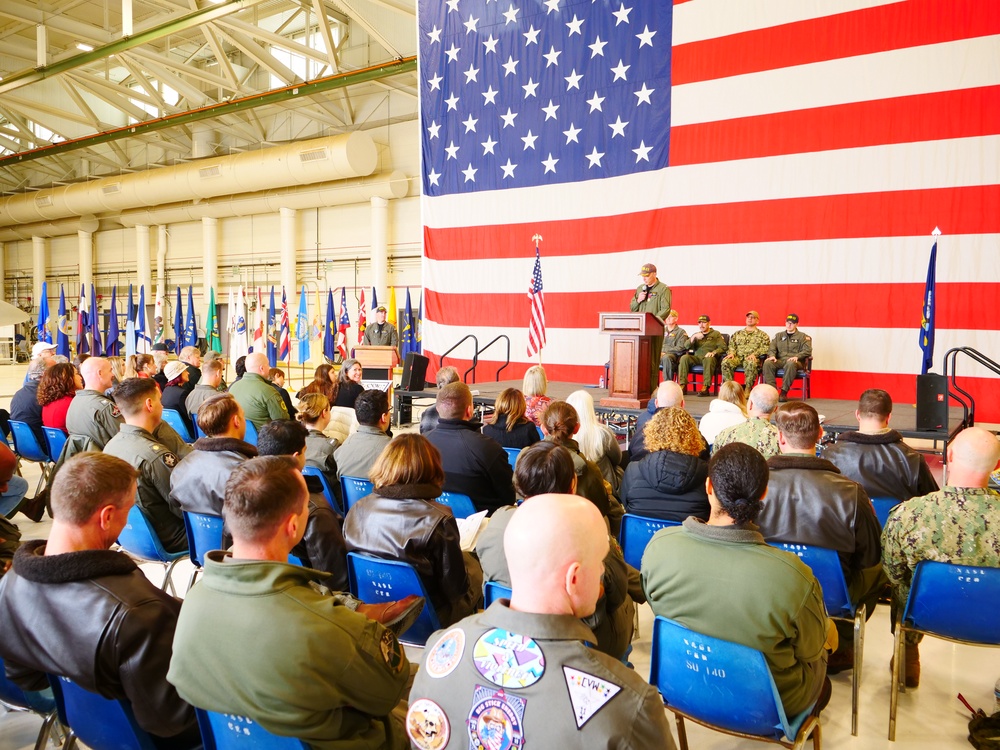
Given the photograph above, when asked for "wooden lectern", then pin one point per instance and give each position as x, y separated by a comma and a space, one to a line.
628, 380
380, 359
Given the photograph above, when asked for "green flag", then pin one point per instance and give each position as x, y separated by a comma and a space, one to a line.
212, 325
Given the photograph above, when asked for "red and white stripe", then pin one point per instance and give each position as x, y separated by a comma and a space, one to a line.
814, 147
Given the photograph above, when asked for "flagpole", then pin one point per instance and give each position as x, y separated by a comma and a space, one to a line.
537, 238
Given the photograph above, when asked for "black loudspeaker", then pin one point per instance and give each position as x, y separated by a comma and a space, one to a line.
414, 372
932, 403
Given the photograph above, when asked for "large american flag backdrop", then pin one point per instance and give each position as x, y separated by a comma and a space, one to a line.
780, 155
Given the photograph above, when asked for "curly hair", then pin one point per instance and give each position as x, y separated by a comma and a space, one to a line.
673, 429
57, 381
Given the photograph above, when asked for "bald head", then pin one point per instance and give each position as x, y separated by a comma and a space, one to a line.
763, 400
97, 375
669, 394
972, 455
257, 364
555, 546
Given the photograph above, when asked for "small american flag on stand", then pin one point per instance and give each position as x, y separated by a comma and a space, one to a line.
536, 326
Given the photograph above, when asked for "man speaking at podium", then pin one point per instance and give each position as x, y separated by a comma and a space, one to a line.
652, 296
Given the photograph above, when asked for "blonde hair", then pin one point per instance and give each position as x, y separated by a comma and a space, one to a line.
534, 383
732, 393
311, 407
673, 429
511, 404
590, 435
137, 363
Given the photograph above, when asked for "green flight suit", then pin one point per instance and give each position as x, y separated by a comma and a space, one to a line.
675, 344
708, 348
783, 346
657, 302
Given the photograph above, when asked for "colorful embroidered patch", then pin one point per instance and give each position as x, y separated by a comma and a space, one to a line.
427, 725
115, 411
508, 659
392, 652
446, 653
495, 721
170, 460
588, 694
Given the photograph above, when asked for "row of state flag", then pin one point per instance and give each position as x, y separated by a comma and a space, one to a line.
269, 330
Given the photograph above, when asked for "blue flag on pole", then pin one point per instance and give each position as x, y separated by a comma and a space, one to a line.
142, 342
190, 330
82, 322
407, 338
418, 339
130, 325
927, 320
330, 334
302, 328
272, 334
44, 333
374, 304
112, 343
62, 338
95, 323
178, 323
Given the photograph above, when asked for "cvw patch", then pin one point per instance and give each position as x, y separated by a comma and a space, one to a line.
588, 694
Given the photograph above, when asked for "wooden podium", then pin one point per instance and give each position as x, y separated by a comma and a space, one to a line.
628, 379
380, 359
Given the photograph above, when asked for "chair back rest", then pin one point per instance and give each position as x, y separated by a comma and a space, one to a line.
204, 533
825, 565
26, 442
55, 440
139, 539
251, 436
98, 722
724, 684
233, 732
635, 533
198, 432
493, 591
461, 505
353, 489
173, 418
512, 454
312, 471
377, 581
955, 601
883, 507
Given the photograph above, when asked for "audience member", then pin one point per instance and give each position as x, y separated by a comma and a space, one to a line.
757, 431
207, 387
560, 423
24, 405
72, 607
727, 410
349, 384
140, 366
509, 427
213, 356
576, 696
359, 452
668, 394
429, 418
179, 387
260, 401
533, 387
320, 672
722, 579
42, 353
191, 357
276, 377
323, 382
474, 465
669, 481
240, 365
56, 389
160, 358
314, 413
597, 442
401, 521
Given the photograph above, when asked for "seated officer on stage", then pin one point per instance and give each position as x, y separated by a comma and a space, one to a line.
789, 349
521, 673
705, 347
675, 345
747, 348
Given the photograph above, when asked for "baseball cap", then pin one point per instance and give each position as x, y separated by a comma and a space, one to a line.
792, 317
704, 319
647, 269
40, 347
674, 313
380, 308
174, 369
754, 313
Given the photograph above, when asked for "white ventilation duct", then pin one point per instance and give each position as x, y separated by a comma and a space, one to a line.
302, 163
49, 229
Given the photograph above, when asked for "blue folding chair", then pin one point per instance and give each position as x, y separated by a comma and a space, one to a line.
461, 505
139, 540
493, 591
635, 533
883, 507
232, 732
26, 446
204, 533
377, 581
251, 436
955, 602
512, 454
173, 418
55, 440
353, 489
13, 698
825, 565
198, 432
98, 722
312, 471
724, 686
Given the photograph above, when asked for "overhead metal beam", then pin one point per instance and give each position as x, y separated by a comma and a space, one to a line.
278, 96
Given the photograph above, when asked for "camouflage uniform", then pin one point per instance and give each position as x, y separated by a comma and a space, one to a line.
711, 342
747, 348
783, 346
756, 432
658, 303
675, 343
959, 525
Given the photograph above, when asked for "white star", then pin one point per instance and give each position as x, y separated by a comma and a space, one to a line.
470, 173
573, 80
531, 35
491, 45
434, 34
617, 127
510, 67
432, 177
642, 153
511, 15
529, 88
622, 14
508, 169
643, 95
488, 145
452, 150
490, 96
574, 26
471, 74
620, 71
552, 56
550, 164
508, 119
594, 157
433, 130
595, 102
572, 133
435, 82
453, 53
452, 102
470, 124
551, 5
646, 37
529, 141
597, 48
470, 25
550, 111
452, 5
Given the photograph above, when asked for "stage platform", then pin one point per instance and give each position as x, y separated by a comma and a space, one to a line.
837, 415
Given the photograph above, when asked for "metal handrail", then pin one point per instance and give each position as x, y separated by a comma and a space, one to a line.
501, 336
475, 356
963, 397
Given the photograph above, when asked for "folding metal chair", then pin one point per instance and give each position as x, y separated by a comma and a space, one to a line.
139, 540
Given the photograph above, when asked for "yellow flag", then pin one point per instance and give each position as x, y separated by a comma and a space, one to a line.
391, 312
